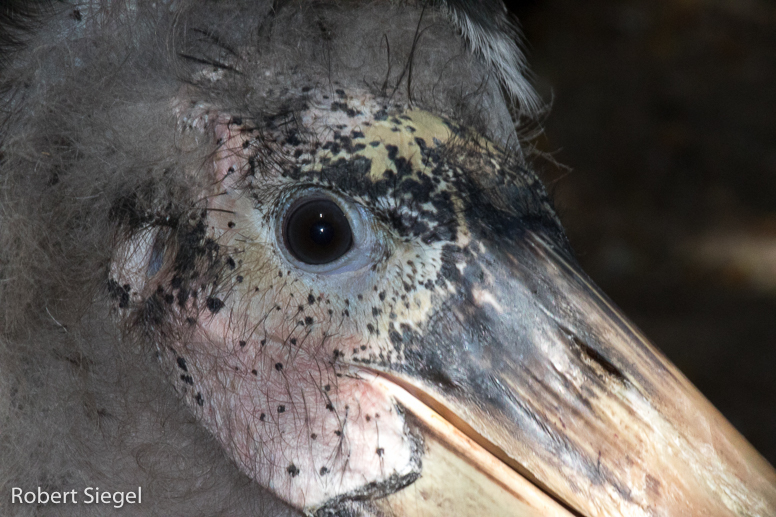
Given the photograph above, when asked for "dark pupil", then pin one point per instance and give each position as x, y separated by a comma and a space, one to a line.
317, 232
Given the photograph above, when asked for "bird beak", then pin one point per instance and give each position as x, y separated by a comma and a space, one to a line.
535, 396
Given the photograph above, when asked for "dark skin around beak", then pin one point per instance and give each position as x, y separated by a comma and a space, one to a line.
534, 364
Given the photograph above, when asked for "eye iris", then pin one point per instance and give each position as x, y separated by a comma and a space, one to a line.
317, 232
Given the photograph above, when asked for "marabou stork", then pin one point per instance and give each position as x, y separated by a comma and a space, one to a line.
268, 257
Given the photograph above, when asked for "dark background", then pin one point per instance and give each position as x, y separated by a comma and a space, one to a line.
663, 116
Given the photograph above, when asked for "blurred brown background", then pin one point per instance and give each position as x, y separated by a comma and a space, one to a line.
664, 113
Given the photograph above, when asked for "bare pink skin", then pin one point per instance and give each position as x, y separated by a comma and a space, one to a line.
261, 368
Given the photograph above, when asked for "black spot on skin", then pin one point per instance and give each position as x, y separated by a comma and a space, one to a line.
292, 470
336, 106
376, 311
308, 320
382, 296
324, 471
293, 140
239, 279
263, 342
368, 418
281, 409
278, 366
120, 292
380, 451
393, 152
254, 372
199, 399
230, 224
338, 433
330, 406
230, 263
293, 340
313, 436
370, 328
310, 299
242, 344
187, 379
214, 305
182, 364
262, 417
327, 388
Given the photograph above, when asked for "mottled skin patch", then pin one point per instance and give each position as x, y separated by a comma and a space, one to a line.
274, 354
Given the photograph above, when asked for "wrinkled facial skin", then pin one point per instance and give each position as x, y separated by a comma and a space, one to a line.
277, 360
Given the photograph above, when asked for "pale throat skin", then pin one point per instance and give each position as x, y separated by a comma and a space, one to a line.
269, 356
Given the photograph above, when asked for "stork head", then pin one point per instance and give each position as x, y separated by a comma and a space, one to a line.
360, 288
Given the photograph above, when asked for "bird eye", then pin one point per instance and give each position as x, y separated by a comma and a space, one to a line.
316, 231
